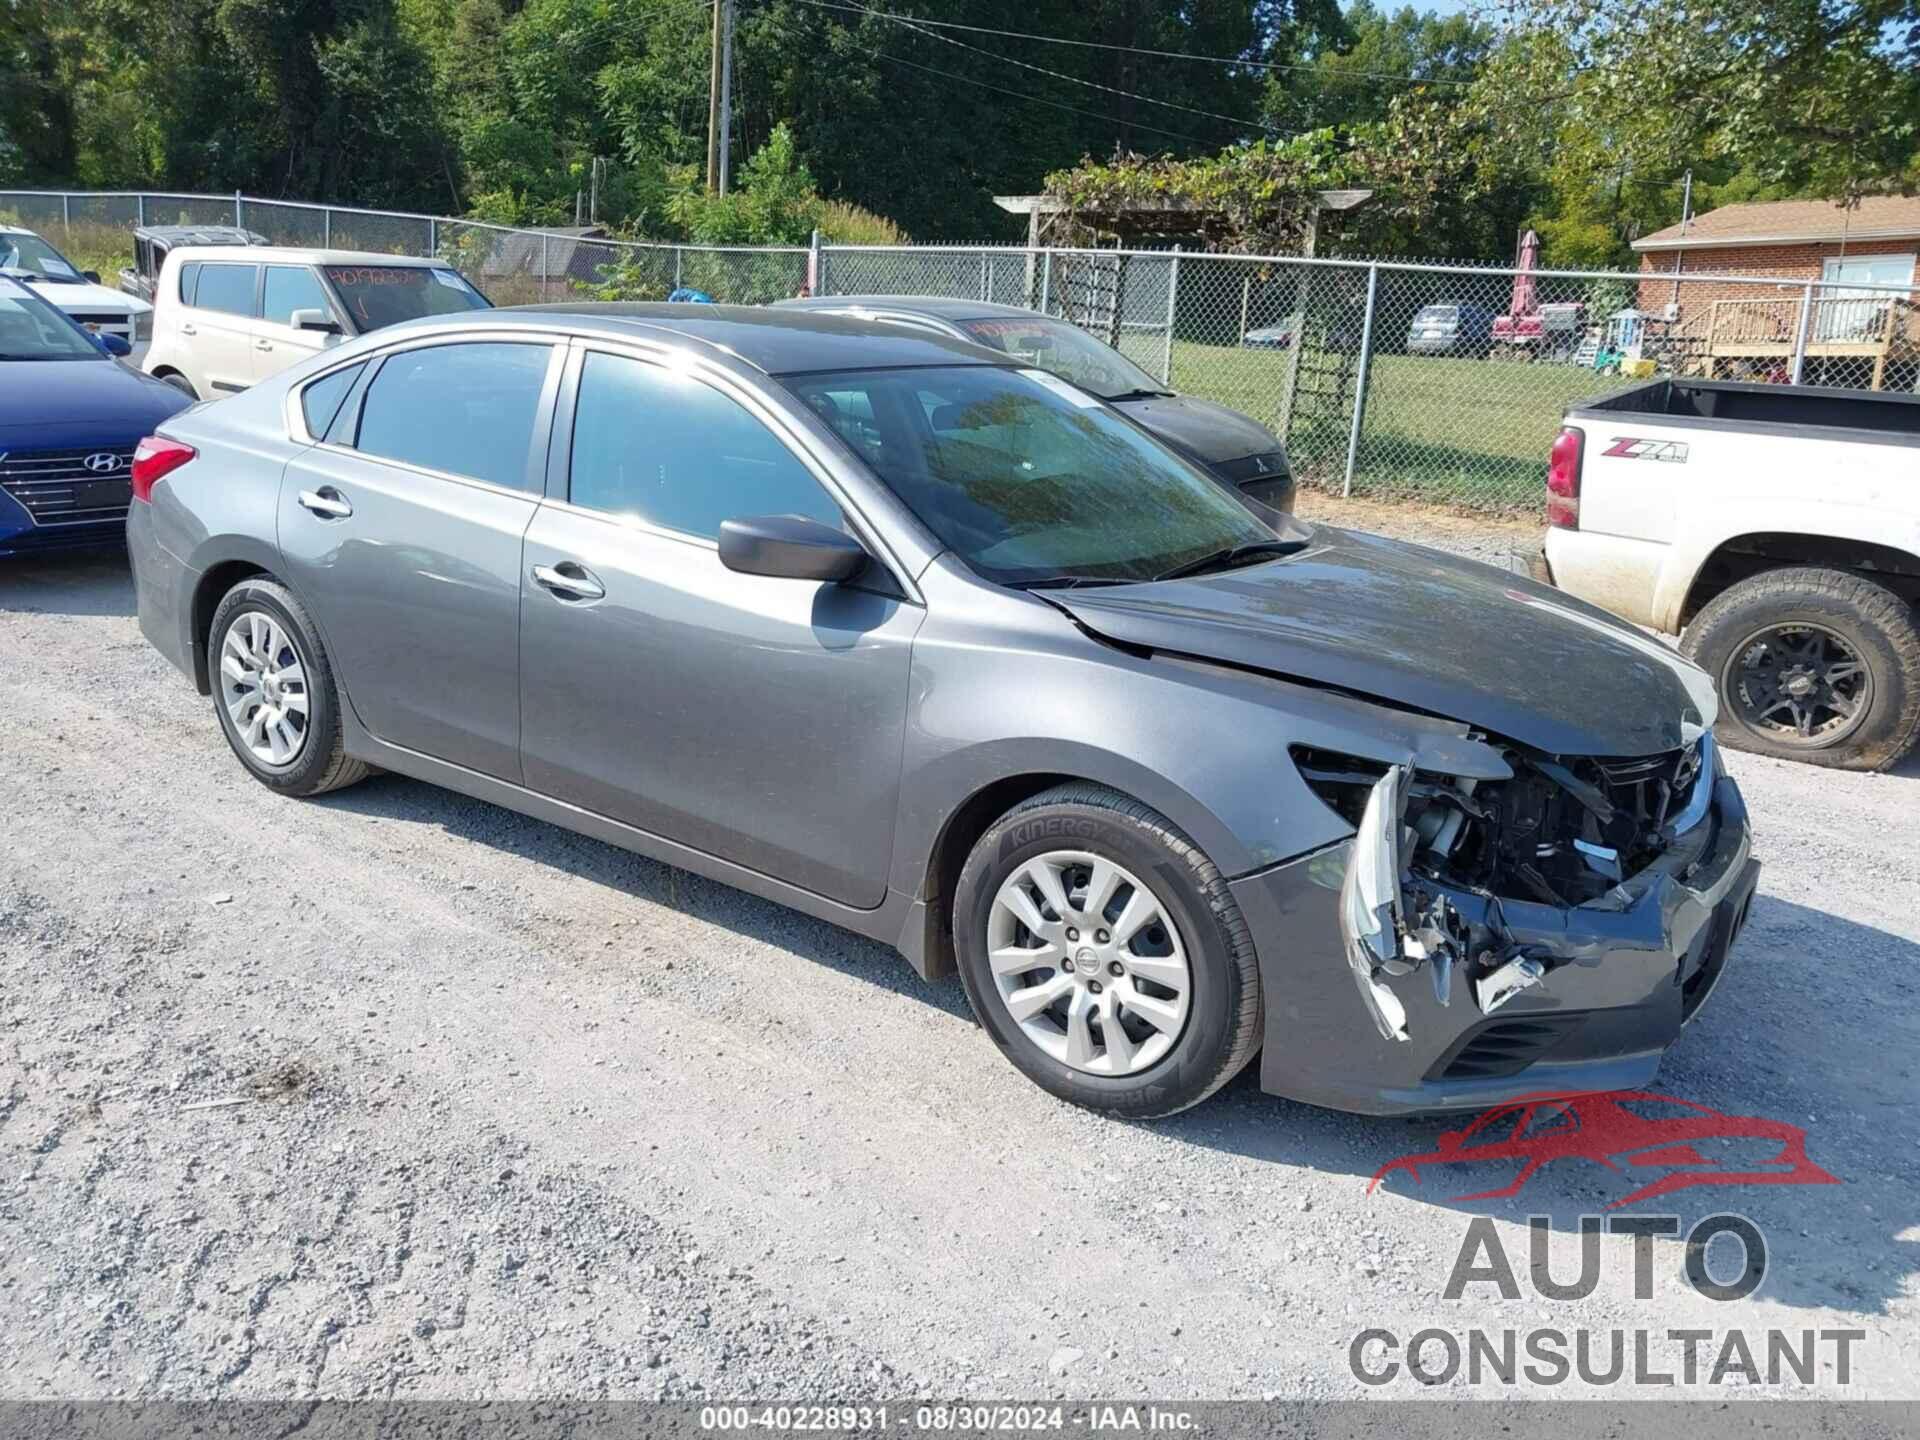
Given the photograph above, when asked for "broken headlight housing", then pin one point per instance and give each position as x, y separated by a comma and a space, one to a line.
1554, 831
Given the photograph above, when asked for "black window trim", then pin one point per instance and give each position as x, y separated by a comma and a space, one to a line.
347, 420
560, 453
318, 278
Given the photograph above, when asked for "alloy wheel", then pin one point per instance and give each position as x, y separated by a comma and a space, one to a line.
263, 683
1799, 684
1088, 963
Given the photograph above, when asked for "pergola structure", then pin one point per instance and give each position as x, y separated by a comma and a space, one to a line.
1164, 220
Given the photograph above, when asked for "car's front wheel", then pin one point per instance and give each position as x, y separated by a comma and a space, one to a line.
1105, 955
274, 692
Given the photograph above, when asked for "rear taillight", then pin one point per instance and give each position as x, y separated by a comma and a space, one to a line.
1563, 479
155, 457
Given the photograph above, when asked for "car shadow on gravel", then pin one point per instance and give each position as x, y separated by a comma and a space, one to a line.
1815, 1026
70, 582
394, 797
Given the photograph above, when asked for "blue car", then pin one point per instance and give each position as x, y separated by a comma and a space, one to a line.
70, 416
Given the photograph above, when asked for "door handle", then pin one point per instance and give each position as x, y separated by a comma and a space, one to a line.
326, 502
263, 344
569, 580
189, 329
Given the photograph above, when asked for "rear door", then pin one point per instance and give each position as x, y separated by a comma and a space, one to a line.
217, 327
755, 719
276, 342
403, 529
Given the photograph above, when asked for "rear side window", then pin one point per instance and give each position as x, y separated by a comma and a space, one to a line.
226, 288
677, 453
321, 400
290, 288
465, 409
189, 277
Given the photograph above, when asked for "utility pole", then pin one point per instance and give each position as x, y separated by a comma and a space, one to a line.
714, 98
726, 89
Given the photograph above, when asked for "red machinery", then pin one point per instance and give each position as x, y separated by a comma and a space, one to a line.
1529, 329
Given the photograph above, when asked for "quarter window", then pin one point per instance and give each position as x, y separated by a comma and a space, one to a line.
320, 401
290, 288
189, 277
679, 454
227, 288
465, 409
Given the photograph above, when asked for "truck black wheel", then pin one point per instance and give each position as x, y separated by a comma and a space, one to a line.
1105, 955
1814, 665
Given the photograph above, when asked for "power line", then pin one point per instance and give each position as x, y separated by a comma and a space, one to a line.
1076, 80
1229, 60
1031, 99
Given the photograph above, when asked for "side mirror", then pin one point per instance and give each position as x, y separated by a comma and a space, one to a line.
93, 275
318, 320
113, 345
790, 548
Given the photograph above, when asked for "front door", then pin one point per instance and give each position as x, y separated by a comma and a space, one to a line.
758, 720
403, 535
277, 344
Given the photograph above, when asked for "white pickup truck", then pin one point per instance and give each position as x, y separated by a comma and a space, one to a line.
1776, 530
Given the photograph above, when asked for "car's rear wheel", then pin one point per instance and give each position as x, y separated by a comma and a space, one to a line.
181, 383
1105, 955
274, 692
1815, 665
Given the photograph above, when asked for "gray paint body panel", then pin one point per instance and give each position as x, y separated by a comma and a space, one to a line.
812, 743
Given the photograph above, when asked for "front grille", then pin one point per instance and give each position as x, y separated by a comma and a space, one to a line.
1505, 1047
112, 320
57, 488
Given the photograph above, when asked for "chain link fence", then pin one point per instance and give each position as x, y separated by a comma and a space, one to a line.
1440, 383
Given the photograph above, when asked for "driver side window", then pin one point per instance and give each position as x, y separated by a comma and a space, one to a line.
675, 452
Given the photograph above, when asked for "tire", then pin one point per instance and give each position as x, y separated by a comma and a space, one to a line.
263, 616
1853, 621
181, 383
1166, 1067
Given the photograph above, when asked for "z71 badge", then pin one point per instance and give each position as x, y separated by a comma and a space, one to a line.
1626, 447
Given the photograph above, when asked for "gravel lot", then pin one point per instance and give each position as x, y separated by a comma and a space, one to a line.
399, 1094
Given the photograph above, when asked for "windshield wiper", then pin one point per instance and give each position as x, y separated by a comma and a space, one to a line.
1138, 395
1067, 582
1231, 556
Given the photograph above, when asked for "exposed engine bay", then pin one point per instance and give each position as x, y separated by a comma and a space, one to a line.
1561, 832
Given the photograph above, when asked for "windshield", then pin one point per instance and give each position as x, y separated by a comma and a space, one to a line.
1027, 479
31, 329
377, 295
1067, 351
34, 255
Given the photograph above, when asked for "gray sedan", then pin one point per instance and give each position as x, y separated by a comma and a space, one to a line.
903, 634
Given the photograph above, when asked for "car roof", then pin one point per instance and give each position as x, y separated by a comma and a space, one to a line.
774, 340
224, 235
940, 306
300, 255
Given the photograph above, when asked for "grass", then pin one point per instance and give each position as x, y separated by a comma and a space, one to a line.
1472, 433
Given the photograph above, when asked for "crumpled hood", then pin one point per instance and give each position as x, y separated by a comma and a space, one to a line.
1210, 433
1417, 628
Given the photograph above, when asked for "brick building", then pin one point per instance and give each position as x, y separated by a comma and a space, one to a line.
1850, 332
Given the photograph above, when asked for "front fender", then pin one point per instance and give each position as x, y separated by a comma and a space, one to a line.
1206, 746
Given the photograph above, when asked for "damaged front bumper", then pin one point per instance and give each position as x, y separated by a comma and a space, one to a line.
1388, 994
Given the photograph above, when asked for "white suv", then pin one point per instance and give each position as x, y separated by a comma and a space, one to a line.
226, 316
77, 293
